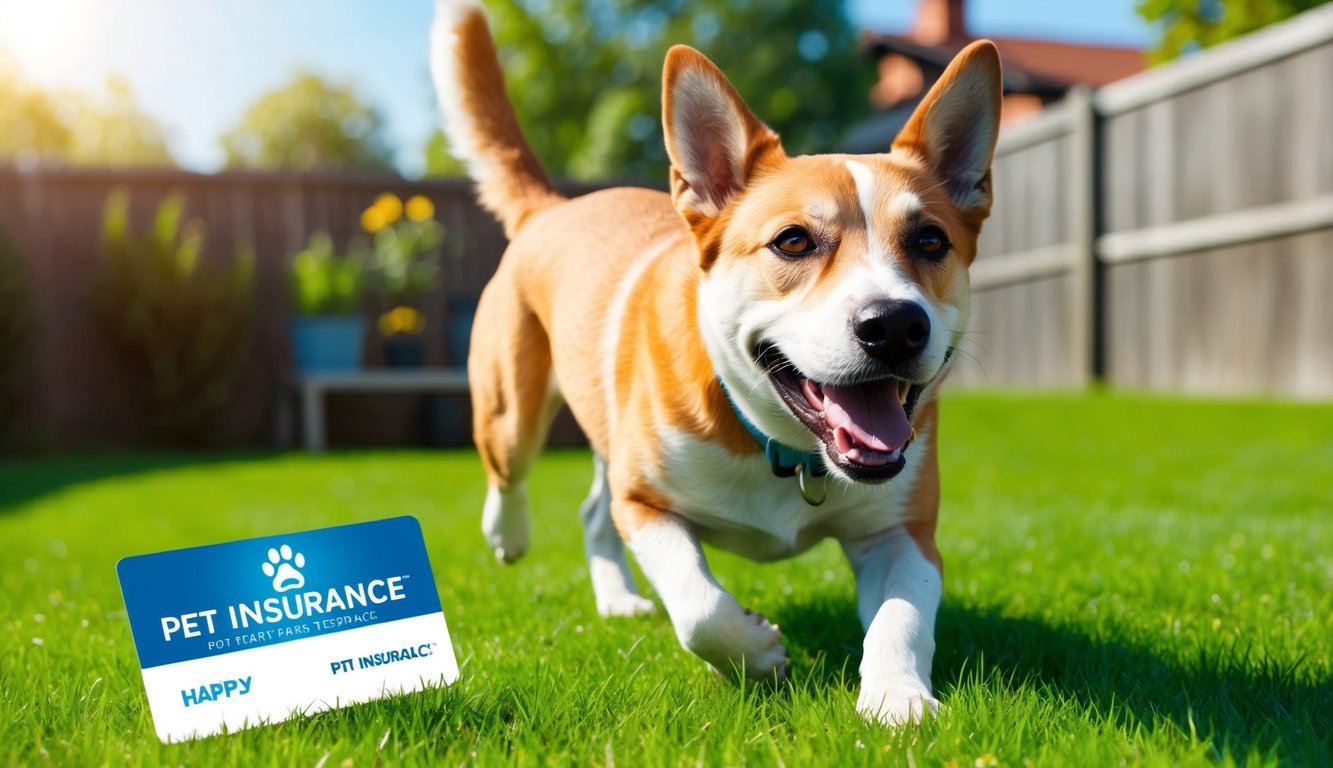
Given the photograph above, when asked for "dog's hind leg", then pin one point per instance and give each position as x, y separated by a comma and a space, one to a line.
514, 400
612, 583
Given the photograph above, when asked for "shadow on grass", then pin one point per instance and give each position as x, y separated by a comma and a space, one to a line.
25, 480
1240, 701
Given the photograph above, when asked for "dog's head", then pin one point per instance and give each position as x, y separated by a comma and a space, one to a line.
834, 288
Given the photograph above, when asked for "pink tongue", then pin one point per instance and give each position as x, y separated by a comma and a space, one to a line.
870, 413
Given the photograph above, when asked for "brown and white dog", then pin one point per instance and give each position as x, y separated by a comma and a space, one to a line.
810, 304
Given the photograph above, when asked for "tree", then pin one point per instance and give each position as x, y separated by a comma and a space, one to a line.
439, 163
113, 130
585, 75
76, 128
309, 124
31, 128
1188, 25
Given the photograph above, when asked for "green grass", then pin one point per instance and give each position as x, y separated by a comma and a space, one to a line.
1127, 580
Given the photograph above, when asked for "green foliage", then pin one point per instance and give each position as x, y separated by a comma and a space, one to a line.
75, 128
31, 127
586, 77
309, 124
1188, 25
182, 321
321, 282
113, 130
406, 260
1125, 584
406, 248
439, 163
18, 330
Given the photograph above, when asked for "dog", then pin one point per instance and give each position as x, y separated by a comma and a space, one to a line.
754, 357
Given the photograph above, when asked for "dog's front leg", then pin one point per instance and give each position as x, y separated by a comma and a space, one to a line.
898, 591
708, 620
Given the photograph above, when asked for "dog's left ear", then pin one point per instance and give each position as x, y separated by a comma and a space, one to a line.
713, 139
955, 126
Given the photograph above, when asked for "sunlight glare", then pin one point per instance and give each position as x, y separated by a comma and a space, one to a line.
49, 38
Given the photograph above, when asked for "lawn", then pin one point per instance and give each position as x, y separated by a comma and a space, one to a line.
1127, 579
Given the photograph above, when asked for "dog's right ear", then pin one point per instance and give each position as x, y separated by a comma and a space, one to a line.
713, 139
955, 127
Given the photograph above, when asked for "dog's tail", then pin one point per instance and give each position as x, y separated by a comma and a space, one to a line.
479, 119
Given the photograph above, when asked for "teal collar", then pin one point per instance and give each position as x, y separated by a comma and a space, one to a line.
784, 460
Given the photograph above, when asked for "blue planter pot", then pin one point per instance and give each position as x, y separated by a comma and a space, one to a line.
328, 343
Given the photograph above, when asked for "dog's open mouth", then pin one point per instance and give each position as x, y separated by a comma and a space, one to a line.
865, 426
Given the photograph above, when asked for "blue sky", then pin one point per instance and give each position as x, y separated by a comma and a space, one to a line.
196, 64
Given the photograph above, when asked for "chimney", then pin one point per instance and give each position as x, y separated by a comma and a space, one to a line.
939, 22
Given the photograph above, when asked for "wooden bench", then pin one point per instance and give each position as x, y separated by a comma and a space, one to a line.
311, 389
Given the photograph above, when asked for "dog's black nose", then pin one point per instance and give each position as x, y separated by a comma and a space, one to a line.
890, 330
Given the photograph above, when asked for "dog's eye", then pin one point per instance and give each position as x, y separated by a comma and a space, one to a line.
793, 241
931, 241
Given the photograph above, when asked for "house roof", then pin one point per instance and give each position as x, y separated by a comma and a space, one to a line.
1031, 66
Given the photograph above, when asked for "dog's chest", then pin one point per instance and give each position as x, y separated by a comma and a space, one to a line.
736, 502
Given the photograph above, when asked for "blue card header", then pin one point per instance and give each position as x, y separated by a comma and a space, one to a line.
206, 601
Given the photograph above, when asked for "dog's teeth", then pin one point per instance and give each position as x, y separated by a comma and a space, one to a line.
814, 394
904, 387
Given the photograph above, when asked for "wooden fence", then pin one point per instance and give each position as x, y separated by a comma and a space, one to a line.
81, 394
1173, 231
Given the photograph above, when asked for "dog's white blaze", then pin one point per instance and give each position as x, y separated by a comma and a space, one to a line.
864, 178
444, 70
898, 592
879, 277
611, 323
903, 204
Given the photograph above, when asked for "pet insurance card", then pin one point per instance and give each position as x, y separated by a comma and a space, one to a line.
252, 632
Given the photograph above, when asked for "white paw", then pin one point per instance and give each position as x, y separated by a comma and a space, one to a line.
624, 604
731, 638
504, 523
896, 703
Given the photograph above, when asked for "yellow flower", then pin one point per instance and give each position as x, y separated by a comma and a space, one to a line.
391, 208
372, 219
401, 320
420, 208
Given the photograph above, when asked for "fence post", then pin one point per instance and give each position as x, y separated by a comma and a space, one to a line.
1083, 322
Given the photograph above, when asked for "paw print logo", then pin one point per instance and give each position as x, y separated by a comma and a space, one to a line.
284, 568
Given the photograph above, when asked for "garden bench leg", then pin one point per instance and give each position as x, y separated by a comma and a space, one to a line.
312, 417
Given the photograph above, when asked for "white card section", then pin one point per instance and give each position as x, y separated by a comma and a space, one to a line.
274, 672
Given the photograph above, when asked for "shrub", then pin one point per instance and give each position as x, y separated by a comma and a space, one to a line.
182, 321
321, 282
